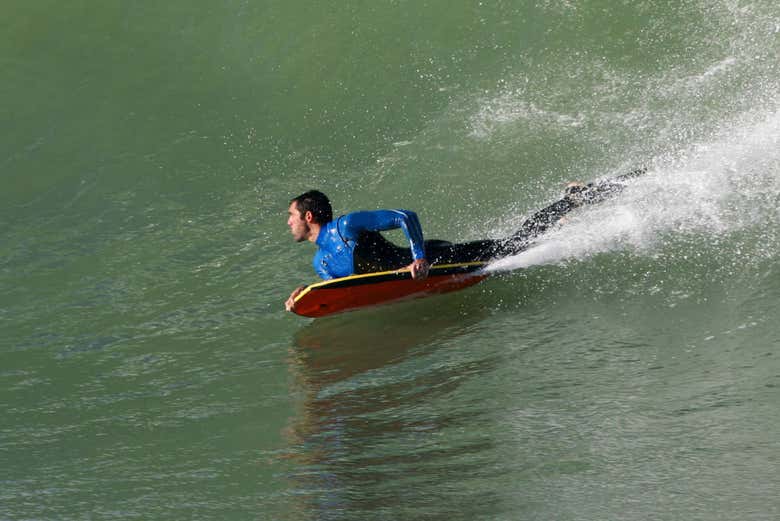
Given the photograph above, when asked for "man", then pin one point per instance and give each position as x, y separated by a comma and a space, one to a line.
351, 243
310, 218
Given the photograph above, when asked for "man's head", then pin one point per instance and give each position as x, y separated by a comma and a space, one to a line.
307, 211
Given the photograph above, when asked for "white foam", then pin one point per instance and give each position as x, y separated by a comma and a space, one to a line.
711, 189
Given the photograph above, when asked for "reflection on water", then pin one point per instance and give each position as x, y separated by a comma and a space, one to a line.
369, 435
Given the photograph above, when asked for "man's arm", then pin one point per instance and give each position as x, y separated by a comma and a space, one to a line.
381, 220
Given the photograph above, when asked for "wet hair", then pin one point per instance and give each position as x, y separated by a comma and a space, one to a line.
315, 202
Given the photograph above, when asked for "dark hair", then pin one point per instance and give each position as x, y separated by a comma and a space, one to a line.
315, 202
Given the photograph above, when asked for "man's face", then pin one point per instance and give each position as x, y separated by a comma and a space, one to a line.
298, 225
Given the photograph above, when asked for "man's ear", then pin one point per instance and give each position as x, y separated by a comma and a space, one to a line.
308, 217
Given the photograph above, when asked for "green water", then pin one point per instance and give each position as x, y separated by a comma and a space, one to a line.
626, 368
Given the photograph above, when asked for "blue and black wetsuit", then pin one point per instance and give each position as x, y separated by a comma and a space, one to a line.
351, 244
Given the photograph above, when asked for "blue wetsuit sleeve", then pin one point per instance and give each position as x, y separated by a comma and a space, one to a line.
320, 268
380, 220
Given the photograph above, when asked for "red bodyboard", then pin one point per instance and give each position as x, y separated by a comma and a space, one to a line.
370, 289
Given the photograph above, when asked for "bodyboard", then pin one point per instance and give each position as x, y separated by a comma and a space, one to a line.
370, 289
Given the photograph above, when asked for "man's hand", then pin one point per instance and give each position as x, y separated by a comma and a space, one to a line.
419, 268
290, 304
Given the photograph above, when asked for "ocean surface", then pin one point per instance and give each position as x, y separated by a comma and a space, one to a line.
627, 367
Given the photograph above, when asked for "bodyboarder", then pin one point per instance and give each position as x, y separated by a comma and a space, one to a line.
351, 243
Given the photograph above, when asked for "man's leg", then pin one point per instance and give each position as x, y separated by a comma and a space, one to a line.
489, 249
576, 195
440, 252
591, 193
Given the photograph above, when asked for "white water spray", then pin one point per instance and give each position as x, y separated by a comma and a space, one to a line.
714, 189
